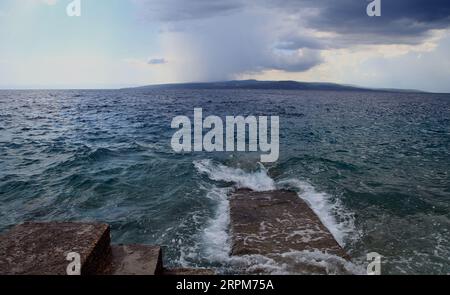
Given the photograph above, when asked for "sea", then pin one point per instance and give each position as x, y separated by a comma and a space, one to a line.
374, 166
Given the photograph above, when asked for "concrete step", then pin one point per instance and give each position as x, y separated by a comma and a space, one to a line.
277, 222
42, 248
135, 260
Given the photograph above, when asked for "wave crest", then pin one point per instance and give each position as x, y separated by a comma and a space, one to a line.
257, 181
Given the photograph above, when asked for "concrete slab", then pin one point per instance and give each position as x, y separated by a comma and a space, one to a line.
277, 222
42, 248
135, 260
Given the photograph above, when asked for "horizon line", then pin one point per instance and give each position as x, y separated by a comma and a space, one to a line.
128, 86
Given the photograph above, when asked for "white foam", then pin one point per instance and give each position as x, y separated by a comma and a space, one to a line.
296, 262
326, 209
216, 244
332, 264
257, 181
215, 236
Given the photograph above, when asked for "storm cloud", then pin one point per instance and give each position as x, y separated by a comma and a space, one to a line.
402, 21
400, 18
178, 10
242, 36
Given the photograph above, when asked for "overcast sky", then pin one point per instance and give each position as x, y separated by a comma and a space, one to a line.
116, 43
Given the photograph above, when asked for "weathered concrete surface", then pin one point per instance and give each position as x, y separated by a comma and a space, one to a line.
277, 222
135, 260
42, 248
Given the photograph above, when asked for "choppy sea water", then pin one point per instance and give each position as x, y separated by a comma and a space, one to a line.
373, 166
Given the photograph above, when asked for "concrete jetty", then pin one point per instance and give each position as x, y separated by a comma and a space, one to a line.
274, 223
42, 248
270, 224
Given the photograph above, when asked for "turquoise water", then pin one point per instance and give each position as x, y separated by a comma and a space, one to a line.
373, 166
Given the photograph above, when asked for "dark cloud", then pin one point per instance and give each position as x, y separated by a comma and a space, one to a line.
295, 61
238, 36
402, 21
181, 10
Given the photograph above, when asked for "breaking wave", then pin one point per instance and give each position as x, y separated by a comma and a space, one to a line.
257, 181
331, 212
216, 239
216, 236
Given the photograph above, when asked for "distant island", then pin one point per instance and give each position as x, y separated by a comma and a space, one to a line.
269, 85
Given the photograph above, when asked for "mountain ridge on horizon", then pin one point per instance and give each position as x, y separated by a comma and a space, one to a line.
271, 85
